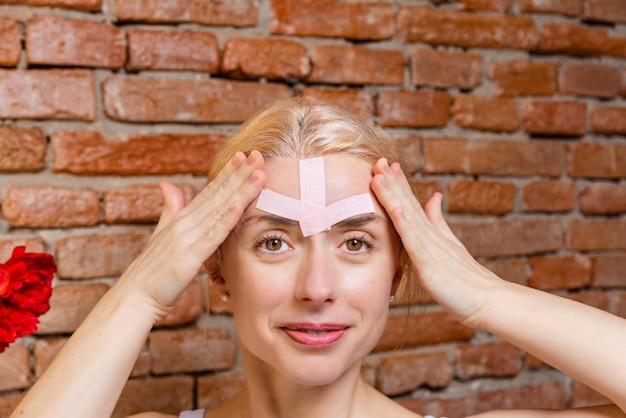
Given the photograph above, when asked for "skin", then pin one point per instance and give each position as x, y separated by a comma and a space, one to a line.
95, 363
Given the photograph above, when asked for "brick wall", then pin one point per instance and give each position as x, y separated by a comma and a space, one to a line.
514, 109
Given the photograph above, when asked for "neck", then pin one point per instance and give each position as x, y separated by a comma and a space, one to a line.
270, 394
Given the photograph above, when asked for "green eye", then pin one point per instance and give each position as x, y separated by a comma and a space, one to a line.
273, 244
354, 244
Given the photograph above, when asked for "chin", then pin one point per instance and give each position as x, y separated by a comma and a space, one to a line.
316, 372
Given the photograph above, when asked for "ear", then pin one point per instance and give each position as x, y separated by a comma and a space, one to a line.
397, 279
213, 268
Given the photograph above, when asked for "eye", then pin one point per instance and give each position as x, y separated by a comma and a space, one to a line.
274, 244
354, 244
358, 243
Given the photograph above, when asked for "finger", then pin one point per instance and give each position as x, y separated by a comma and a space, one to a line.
174, 201
435, 215
228, 180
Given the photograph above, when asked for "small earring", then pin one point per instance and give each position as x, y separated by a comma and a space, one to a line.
392, 298
224, 297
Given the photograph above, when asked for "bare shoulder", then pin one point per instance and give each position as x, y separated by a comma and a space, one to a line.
152, 415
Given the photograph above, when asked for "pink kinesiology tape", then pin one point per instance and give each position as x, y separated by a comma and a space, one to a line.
311, 210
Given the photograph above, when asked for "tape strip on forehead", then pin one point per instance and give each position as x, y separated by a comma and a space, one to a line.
311, 210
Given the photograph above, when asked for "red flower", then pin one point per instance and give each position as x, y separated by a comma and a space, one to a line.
25, 289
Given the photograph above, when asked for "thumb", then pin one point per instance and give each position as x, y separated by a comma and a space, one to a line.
174, 201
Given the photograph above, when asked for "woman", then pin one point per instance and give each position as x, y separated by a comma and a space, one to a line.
308, 232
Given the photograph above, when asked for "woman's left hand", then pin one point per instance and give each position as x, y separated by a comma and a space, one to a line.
443, 265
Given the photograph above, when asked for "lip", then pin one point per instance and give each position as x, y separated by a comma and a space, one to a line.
315, 336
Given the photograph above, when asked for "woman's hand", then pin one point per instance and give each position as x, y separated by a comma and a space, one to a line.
444, 266
187, 235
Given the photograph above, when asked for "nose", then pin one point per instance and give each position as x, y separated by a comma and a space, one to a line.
316, 284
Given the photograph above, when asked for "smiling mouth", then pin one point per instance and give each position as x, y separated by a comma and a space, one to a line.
314, 336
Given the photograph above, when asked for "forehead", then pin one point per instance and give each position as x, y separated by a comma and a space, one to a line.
344, 176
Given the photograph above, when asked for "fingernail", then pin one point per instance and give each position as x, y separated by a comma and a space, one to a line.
386, 166
253, 177
237, 159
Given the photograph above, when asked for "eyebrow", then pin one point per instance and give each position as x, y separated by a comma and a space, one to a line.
353, 222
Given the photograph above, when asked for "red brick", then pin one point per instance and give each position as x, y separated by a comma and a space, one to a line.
617, 303
281, 59
172, 50
596, 160
609, 120
549, 196
424, 189
552, 273
487, 113
350, 20
481, 197
32, 244
603, 199
556, 118
549, 395
524, 78
416, 405
87, 5
51, 207
354, 100
596, 234
56, 41
563, 7
47, 94
513, 269
595, 80
22, 149
487, 360
411, 330
494, 157
580, 40
9, 402
424, 108
609, 271
613, 11
137, 204
15, 368
449, 27
509, 237
46, 349
583, 396
168, 395
191, 350
69, 305
136, 99
235, 13
492, 5
88, 153
187, 308
445, 68
10, 42
90, 256
348, 64
404, 373
216, 388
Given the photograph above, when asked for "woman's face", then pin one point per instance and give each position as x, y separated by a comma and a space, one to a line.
311, 307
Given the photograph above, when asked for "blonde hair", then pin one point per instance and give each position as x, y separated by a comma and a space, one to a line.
304, 128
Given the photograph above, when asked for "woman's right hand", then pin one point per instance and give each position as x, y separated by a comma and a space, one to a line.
187, 235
